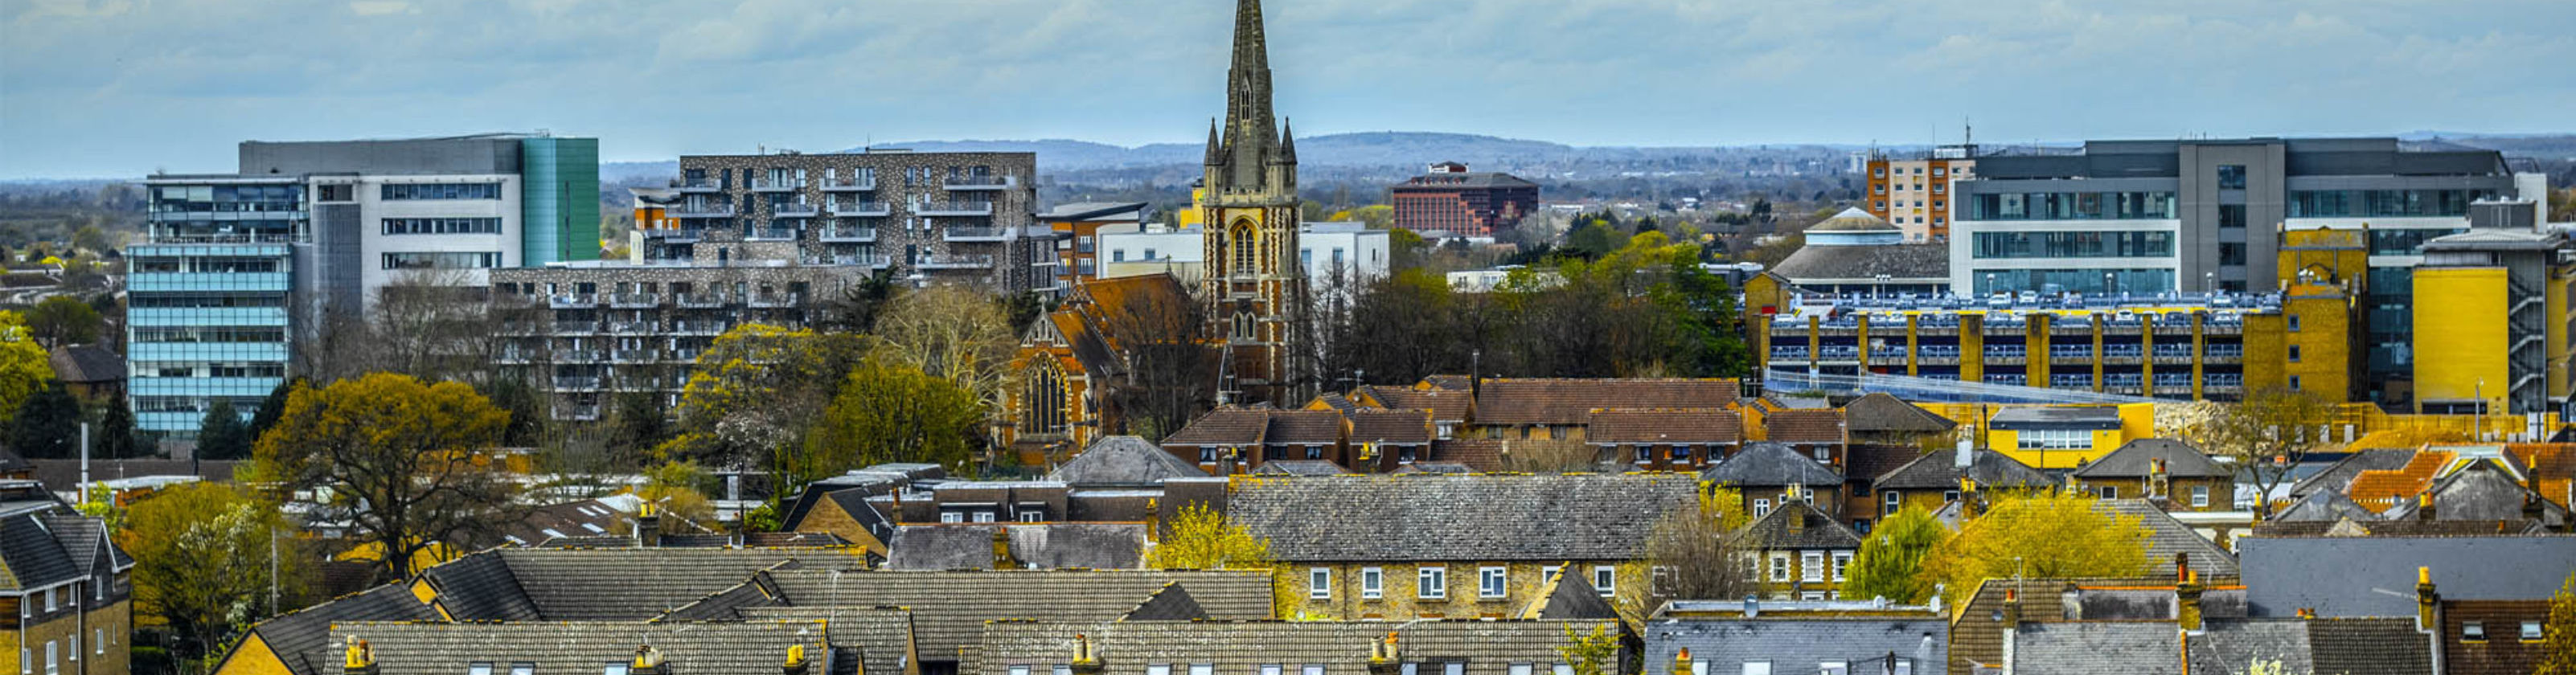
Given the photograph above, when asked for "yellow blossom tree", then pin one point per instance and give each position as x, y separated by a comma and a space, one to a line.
24, 365
2039, 536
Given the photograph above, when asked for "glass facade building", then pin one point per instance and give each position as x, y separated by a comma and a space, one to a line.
558, 200
207, 299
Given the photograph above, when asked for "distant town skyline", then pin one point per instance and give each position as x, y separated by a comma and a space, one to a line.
117, 88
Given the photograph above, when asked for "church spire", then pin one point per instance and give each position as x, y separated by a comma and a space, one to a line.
1287, 144
1215, 146
1250, 130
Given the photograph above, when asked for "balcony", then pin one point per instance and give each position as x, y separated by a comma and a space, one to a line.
701, 211
1937, 354
766, 185
1838, 353
576, 384
1839, 327
2084, 353
635, 355
670, 235
577, 356
770, 234
850, 184
573, 301
848, 260
2226, 353
632, 384
698, 327
632, 328
794, 210
960, 183
849, 233
862, 209
954, 262
701, 186
2005, 356
701, 299
976, 234
576, 327
683, 355
634, 300
953, 209
511, 357
1788, 353
1887, 355
777, 299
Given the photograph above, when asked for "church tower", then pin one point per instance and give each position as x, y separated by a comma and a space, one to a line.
1254, 284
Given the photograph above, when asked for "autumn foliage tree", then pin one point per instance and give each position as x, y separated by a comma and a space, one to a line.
1201, 538
2558, 633
2038, 535
201, 561
24, 365
1703, 552
755, 392
2266, 434
405, 462
888, 411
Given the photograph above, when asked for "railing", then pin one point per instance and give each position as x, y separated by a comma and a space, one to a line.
862, 209
2070, 381
635, 300
977, 182
2226, 352
701, 211
576, 327
511, 356
777, 299
977, 233
1788, 353
2070, 352
573, 300
2014, 380
767, 185
698, 327
1838, 353
244, 238
1887, 354
684, 355
771, 233
954, 261
632, 328
961, 208
674, 234
847, 260
697, 186
578, 356
635, 356
849, 233
702, 299
851, 183
794, 210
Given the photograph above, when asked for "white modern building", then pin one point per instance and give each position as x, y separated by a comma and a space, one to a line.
1333, 253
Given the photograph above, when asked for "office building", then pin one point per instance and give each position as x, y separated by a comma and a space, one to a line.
926, 217
1913, 192
2495, 342
233, 266
1449, 200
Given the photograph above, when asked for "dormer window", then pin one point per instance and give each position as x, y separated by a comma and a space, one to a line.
2473, 631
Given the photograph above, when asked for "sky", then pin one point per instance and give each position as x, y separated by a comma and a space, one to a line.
114, 88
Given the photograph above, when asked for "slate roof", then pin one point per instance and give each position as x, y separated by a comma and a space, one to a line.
1446, 517
2503, 652
2376, 646
2166, 537
580, 518
87, 364
1223, 427
744, 648
882, 636
2482, 491
2336, 576
2325, 506
1171, 603
1299, 467
302, 639
2229, 646
1880, 413
2373, 527
1863, 642
1122, 460
1815, 529
30, 556
2136, 459
949, 609
1570, 597
2099, 648
1867, 462
1934, 471
1704, 426
1390, 427
1485, 647
1565, 402
1035, 546
1866, 261
1334, 400
1765, 464
634, 584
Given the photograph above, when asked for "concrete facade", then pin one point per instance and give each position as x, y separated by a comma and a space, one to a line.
927, 217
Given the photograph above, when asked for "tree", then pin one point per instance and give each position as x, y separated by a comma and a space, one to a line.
859, 306
222, 435
1890, 562
953, 333
1594, 653
678, 489
1701, 553
412, 454
115, 435
2558, 633
265, 418
639, 421
63, 320
527, 410
1171, 372
201, 562
47, 425
432, 324
2039, 536
1201, 538
1553, 455
25, 367
887, 411
90, 238
756, 392
2264, 436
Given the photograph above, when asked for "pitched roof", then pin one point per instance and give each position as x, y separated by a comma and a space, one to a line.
2224, 646
2482, 491
1862, 642
1484, 647
2057, 417
2370, 646
2137, 459
1765, 464
1171, 603
1703, 426
1299, 467
1390, 427
1303, 427
881, 636
744, 647
1570, 597
1878, 412
2324, 506
1033, 546
2166, 537
1555, 401
515, 584
2338, 476
1450, 517
2345, 576
79, 364
1867, 462
2099, 648
302, 639
30, 556
1122, 460
1813, 529
1478, 454
949, 609
1935, 471
1445, 405
1433, 467
1223, 426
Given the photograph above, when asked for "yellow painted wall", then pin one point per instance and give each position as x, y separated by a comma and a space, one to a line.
2555, 313
2008, 441
1401, 599
2460, 338
252, 657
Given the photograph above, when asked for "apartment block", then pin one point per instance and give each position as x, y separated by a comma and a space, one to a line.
925, 217
1914, 193
1449, 200
234, 266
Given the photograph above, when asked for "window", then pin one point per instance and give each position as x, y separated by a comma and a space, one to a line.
1547, 574
478, 668
2054, 439
1761, 507
523, 669
1811, 566
424, 191
444, 260
2200, 496
1892, 503
1118, 255
99, 642
1372, 583
2473, 631
1904, 667
53, 662
1314, 670
1432, 583
1270, 669
983, 516
1156, 669
1834, 668
441, 225
1319, 583
1520, 669
1842, 561
952, 517
1489, 582
49, 599
1949, 495
2294, 380
2231, 176
2531, 630
1780, 567
1757, 668
1202, 669
618, 668
2110, 492
1605, 579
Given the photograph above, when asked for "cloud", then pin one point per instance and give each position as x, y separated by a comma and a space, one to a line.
115, 87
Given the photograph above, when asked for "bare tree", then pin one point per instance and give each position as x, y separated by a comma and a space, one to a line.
2265, 435
434, 325
1550, 455
1701, 553
1162, 342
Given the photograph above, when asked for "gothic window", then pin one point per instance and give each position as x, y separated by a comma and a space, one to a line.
1045, 397
1243, 325
1243, 243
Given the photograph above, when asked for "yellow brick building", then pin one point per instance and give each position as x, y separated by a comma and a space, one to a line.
2495, 341
65, 606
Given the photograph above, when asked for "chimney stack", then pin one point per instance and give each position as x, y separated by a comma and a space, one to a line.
1752, 606
360, 658
1966, 456
2158, 482
648, 661
796, 664
1682, 662
2427, 601
2187, 602
1797, 519
1086, 658
2424, 506
648, 526
1382, 656
2012, 607
2070, 602
1002, 559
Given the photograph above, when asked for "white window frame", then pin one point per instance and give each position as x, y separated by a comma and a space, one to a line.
1842, 565
1757, 668
1892, 502
1811, 565
1779, 566
1547, 574
1492, 582
2200, 496
2532, 631
1202, 669
1319, 583
1605, 580
1372, 583
1150, 669
1431, 583
1761, 507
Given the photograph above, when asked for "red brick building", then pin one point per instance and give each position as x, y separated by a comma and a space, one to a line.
1449, 199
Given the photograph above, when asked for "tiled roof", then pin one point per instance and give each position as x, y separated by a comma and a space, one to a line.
1814, 529
1433, 467
2166, 537
949, 609
882, 636
1701, 426
302, 639
1878, 412
1223, 426
1485, 647
1805, 426
1171, 603
30, 556
1479, 454
2551, 467
1726, 644
1391, 427
514, 584
2482, 490
1765, 464
2136, 459
1303, 427
2227, 646
1814, 262
746, 648
1035, 546
2379, 646
2099, 648
1333, 400
1570, 401
2503, 653
2338, 476
1866, 462
2387, 487
1299, 467
1444, 404
1935, 471
1122, 460
1473, 517
85, 364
